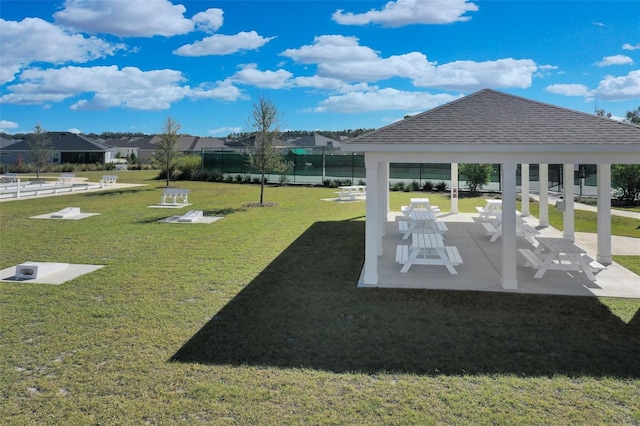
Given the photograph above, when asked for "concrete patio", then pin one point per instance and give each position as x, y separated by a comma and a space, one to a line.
482, 265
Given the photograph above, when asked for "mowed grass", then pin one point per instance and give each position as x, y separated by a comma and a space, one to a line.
255, 319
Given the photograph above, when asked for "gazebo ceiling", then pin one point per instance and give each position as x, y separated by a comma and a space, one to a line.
492, 122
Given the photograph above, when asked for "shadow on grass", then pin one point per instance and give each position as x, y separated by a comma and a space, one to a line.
304, 311
115, 191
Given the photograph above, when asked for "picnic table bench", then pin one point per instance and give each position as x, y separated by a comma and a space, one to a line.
351, 192
523, 229
66, 177
559, 254
492, 209
421, 221
427, 249
416, 204
174, 196
108, 180
10, 178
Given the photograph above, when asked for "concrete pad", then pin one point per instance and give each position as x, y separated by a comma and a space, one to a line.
58, 216
59, 276
203, 219
481, 267
169, 206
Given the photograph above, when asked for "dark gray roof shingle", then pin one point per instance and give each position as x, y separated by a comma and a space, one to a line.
492, 117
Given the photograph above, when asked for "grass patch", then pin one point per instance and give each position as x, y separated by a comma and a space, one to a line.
255, 319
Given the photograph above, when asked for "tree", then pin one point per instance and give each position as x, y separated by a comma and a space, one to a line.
633, 116
167, 153
626, 177
476, 175
265, 120
603, 113
40, 148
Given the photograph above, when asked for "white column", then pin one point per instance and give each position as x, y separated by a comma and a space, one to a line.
567, 217
544, 194
371, 226
524, 188
604, 214
509, 278
455, 191
382, 204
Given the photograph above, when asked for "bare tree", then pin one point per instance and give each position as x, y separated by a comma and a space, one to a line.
40, 148
167, 153
265, 120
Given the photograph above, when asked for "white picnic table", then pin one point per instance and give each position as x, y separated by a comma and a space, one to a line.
427, 249
418, 204
492, 209
523, 229
350, 192
559, 254
421, 221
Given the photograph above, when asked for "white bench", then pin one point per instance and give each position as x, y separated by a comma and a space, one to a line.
108, 180
433, 227
174, 196
10, 178
351, 192
66, 177
406, 210
454, 255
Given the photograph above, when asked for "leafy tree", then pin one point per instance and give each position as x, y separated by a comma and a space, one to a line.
626, 178
476, 175
167, 153
633, 116
40, 148
603, 113
265, 120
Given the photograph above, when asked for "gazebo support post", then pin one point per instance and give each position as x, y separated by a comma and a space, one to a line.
455, 192
524, 189
604, 214
543, 180
383, 176
567, 217
509, 278
372, 237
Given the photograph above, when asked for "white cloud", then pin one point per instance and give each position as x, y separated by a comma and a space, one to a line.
220, 44
5, 124
223, 91
110, 86
142, 18
251, 75
406, 12
343, 58
22, 43
224, 131
208, 21
471, 75
614, 60
619, 88
384, 99
628, 46
568, 89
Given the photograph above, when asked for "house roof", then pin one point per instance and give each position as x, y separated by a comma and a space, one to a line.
492, 117
66, 142
314, 140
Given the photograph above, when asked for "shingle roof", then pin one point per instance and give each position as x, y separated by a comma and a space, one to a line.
492, 117
66, 142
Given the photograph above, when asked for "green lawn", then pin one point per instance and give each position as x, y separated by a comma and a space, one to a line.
256, 319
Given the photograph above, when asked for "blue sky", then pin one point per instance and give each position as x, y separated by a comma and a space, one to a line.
125, 65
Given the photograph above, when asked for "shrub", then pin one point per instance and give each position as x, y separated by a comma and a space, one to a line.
441, 186
229, 179
397, 186
427, 185
415, 185
239, 179
189, 166
476, 175
361, 182
326, 182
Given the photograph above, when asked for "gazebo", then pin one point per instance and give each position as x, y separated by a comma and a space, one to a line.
497, 128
